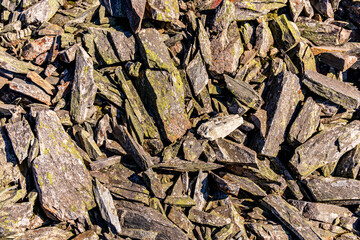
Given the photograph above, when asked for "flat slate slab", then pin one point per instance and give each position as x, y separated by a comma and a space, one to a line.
63, 182
336, 91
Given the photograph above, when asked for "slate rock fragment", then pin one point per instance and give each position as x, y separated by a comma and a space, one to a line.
285, 32
209, 219
44, 233
15, 218
243, 92
338, 60
280, 107
306, 122
107, 207
338, 92
348, 165
334, 190
138, 219
30, 90
290, 217
166, 11
197, 74
21, 137
83, 88
37, 47
59, 168
41, 11
219, 127
253, 9
325, 148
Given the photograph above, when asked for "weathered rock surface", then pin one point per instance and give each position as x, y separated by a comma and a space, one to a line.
325, 148
338, 92
59, 169
83, 88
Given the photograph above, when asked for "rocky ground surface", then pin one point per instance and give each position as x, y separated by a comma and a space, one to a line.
174, 119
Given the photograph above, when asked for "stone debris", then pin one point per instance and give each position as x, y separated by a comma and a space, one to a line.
179, 119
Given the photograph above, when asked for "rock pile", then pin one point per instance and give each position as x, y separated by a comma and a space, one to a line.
175, 119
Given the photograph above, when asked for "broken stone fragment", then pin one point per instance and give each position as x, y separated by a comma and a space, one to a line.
30, 90
338, 60
21, 138
243, 92
268, 231
179, 165
280, 106
166, 11
224, 15
40, 12
147, 124
324, 7
198, 76
296, 7
37, 47
264, 39
334, 190
38, 80
336, 91
107, 207
349, 164
322, 33
166, 102
209, 219
201, 190
204, 44
102, 130
107, 89
44, 233
325, 148
180, 201
320, 211
246, 10
89, 145
226, 50
151, 222
15, 218
192, 147
177, 216
11, 64
286, 34
235, 185
83, 88
124, 44
290, 217
116, 8
59, 168
306, 123
142, 158
231, 153
153, 181
104, 162
87, 235
135, 13
219, 127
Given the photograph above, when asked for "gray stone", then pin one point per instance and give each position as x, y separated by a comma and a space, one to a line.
83, 88
198, 76
59, 168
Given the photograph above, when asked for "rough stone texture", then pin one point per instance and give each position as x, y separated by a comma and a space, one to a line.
226, 50
180, 219
124, 43
306, 123
37, 47
166, 11
264, 39
280, 107
41, 11
338, 92
321, 33
349, 164
219, 127
45, 233
30, 90
325, 148
231, 153
324, 7
186, 166
338, 60
15, 218
335, 190
107, 207
209, 219
166, 101
286, 34
83, 88
320, 211
244, 92
150, 221
204, 44
290, 217
197, 74
268, 231
135, 13
224, 15
63, 183
107, 89
253, 9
